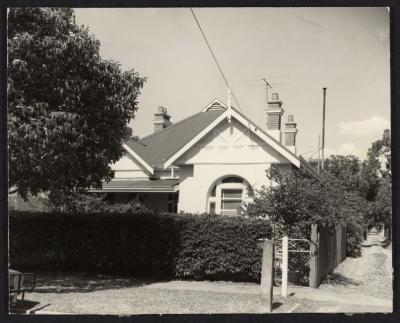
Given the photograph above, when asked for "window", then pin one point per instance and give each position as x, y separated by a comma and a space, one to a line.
231, 200
232, 179
227, 195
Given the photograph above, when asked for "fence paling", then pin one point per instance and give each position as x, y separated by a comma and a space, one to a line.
285, 266
328, 250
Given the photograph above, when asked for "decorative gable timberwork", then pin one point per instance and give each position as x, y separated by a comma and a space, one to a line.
231, 143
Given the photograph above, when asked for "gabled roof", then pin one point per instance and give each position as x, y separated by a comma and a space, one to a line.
228, 113
163, 148
158, 147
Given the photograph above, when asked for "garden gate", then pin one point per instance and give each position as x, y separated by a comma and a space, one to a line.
299, 255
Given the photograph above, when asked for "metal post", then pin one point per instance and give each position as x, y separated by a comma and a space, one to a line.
285, 265
266, 91
319, 152
323, 127
267, 276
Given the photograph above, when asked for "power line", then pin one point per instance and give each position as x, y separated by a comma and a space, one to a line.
215, 59
310, 151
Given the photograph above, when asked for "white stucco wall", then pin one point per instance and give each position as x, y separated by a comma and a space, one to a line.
128, 168
228, 150
195, 185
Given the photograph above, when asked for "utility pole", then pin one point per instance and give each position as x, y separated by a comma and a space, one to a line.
266, 91
323, 129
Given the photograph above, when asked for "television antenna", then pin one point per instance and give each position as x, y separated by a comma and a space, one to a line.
267, 85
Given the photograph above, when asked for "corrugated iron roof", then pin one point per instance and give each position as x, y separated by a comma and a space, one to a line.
156, 148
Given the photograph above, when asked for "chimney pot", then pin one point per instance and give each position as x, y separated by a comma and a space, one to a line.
274, 113
290, 133
161, 119
275, 97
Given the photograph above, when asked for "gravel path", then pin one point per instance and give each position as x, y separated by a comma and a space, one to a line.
156, 300
370, 274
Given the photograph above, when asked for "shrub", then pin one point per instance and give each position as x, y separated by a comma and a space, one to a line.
140, 244
96, 203
220, 248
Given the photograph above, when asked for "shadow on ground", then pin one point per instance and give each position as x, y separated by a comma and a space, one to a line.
22, 306
84, 283
338, 279
275, 305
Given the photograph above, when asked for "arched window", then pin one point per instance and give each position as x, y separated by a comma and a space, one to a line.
227, 195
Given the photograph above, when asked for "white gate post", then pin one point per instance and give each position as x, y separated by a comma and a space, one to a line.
285, 262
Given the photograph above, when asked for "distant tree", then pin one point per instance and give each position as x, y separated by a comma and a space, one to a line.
376, 167
369, 182
376, 181
68, 109
345, 169
382, 206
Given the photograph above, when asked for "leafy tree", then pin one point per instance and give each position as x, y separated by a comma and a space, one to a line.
345, 169
382, 207
297, 200
376, 181
377, 166
68, 109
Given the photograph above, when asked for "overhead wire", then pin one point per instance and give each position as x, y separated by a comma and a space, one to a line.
215, 59
310, 151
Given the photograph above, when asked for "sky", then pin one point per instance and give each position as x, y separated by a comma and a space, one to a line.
298, 50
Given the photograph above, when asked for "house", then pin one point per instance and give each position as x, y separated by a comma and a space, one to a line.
211, 161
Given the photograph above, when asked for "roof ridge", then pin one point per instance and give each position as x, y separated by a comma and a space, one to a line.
169, 127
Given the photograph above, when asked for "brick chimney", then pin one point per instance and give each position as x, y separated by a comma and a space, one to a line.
290, 133
161, 119
274, 113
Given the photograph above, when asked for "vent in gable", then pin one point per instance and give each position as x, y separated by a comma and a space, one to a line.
215, 105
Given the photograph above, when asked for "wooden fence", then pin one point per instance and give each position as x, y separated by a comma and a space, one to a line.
328, 250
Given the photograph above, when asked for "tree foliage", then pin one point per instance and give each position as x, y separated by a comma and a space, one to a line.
91, 203
297, 200
376, 179
68, 109
377, 166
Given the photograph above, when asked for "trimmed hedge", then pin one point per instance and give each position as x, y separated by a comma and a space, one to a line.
162, 246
